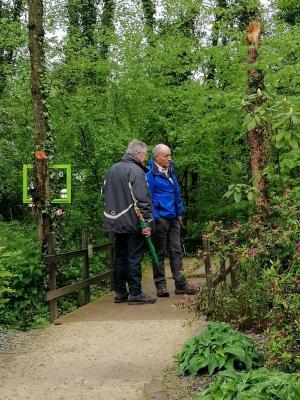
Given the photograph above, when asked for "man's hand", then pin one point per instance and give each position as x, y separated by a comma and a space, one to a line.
180, 220
146, 232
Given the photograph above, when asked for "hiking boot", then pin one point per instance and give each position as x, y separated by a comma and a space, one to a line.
162, 292
141, 298
121, 297
187, 289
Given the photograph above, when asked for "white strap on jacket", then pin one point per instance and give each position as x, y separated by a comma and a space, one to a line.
110, 216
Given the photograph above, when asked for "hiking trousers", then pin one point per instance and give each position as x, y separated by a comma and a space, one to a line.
129, 253
167, 237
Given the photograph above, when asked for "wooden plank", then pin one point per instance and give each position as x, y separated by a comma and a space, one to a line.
85, 265
48, 259
223, 262
54, 294
68, 255
52, 277
193, 275
100, 247
208, 272
220, 278
232, 264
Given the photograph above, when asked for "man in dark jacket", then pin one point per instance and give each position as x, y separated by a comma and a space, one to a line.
125, 186
168, 211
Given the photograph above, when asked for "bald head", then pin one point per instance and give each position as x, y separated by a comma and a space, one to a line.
162, 155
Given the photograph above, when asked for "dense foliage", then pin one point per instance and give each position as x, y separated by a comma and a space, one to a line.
172, 72
219, 347
267, 269
23, 283
260, 384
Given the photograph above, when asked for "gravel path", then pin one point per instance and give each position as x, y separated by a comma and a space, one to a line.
101, 351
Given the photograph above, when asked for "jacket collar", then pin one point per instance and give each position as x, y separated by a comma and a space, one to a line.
131, 159
154, 168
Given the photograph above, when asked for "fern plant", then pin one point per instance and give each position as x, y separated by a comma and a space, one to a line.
219, 347
260, 384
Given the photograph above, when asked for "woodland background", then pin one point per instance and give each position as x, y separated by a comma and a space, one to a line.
171, 71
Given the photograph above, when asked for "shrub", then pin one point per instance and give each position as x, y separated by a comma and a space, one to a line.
260, 384
284, 321
267, 269
219, 347
24, 286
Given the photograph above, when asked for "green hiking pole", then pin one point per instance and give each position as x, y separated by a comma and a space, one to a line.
143, 225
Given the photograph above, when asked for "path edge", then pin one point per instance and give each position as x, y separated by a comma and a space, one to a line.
154, 391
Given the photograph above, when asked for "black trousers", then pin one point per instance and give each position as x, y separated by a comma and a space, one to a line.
129, 253
167, 237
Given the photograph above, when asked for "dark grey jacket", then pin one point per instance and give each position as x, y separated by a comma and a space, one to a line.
124, 179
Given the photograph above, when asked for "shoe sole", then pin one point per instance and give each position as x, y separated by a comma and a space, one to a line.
163, 295
120, 301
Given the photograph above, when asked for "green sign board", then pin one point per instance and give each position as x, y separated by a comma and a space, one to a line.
66, 199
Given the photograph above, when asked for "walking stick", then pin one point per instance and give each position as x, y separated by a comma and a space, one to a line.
143, 225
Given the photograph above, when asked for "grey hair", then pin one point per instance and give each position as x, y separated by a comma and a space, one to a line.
159, 147
137, 146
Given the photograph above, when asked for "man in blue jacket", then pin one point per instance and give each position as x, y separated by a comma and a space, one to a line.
168, 211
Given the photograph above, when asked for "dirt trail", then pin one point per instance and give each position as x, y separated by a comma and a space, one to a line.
102, 351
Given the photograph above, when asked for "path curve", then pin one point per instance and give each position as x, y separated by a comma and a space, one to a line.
102, 351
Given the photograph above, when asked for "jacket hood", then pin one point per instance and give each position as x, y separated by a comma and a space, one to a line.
154, 169
130, 158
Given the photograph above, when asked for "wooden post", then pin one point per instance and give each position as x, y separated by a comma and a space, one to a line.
208, 273
111, 258
232, 272
223, 263
52, 276
86, 265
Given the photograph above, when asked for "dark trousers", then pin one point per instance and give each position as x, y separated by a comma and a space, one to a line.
129, 253
167, 237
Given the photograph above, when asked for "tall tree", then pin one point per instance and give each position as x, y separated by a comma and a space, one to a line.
258, 135
289, 11
221, 6
11, 13
41, 196
107, 26
149, 15
82, 20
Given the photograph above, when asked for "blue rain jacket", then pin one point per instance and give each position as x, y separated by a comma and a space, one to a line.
166, 198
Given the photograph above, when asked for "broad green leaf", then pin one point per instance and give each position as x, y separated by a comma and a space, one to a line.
237, 196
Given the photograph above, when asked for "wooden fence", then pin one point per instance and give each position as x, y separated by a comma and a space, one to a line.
52, 259
213, 279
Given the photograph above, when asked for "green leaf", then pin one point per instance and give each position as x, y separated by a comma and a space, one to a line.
237, 196
250, 196
236, 351
252, 124
212, 364
294, 143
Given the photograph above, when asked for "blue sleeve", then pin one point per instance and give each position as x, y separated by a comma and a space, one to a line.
179, 203
154, 202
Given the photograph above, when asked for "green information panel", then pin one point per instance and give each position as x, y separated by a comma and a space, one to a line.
65, 199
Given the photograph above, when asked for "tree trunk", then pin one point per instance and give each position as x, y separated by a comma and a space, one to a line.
12, 13
257, 136
107, 26
219, 16
37, 64
149, 13
82, 17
